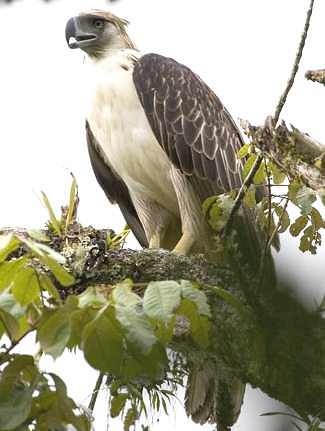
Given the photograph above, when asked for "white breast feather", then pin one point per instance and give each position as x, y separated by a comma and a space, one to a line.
120, 126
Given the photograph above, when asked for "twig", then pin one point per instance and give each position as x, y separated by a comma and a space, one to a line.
269, 221
278, 224
15, 342
270, 240
94, 395
242, 192
249, 179
295, 67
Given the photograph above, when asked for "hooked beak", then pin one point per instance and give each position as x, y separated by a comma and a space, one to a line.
75, 36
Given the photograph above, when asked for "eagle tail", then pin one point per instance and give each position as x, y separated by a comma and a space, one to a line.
213, 394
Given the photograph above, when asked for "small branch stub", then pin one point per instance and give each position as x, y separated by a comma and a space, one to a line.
316, 76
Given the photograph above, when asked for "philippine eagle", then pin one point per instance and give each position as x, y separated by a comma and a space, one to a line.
160, 143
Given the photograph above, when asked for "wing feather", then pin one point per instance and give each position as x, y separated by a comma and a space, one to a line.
114, 187
190, 123
192, 126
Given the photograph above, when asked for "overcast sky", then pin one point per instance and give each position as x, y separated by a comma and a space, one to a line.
243, 49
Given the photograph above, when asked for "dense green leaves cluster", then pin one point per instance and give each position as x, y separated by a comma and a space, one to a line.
309, 224
119, 332
271, 210
29, 397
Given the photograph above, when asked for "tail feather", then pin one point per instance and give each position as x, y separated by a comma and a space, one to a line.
213, 394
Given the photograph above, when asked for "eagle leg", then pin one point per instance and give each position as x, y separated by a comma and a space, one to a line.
155, 240
185, 243
158, 223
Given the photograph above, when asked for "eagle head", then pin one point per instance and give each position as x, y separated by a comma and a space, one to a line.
97, 32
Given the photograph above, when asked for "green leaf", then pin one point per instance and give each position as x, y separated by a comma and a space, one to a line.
52, 260
160, 299
38, 235
91, 296
11, 374
249, 163
138, 329
8, 303
152, 364
191, 291
249, 198
54, 332
72, 203
298, 225
261, 217
164, 406
79, 319
123, 295
293, 189
316, 218
278, 175
244, 151
47, 284
8, 244
208, 203
9, 270
46, 411
117, 404
102, 342
130, 418
63, 277
217, 219
164, 331
54, 222
67, 406
305, 244
17, 409
226, 203
25, 286
131, 369
259, 177
9, 325
199, 325
284, 217
43, 249
15, 395
305, 197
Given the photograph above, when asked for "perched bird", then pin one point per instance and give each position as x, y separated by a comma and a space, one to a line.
160, 143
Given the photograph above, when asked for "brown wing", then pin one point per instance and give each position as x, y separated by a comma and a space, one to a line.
196, 131
114, 187
190, 123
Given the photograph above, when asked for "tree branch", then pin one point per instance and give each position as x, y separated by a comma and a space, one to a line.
249, 179
279, 348
295, 67
295, 152
316, 76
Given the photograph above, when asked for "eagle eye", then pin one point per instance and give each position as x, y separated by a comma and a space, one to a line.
99, 23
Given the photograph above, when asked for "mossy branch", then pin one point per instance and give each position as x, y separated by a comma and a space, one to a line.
277, 345
296, 153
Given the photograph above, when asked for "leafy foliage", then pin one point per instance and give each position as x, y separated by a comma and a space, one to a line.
271, 210
28, 396
119, 331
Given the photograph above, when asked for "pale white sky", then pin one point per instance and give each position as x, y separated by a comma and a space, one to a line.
243, 49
